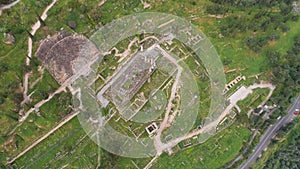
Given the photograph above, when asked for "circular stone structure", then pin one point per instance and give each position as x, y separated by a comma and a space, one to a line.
139, 67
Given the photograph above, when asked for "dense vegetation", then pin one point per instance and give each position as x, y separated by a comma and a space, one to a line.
247, 3
5, 1
268, 17
253, 24
264, 26
288, 153
263, 31
286, 73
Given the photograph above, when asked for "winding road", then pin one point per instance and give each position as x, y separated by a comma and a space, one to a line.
270, 133
34, 28
8, 6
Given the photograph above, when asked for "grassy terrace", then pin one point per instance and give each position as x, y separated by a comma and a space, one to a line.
224, 146
69, 145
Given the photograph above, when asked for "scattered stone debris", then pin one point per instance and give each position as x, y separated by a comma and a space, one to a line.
296, 7
145, 4
101, 3
62, 52
10, 39
72, 24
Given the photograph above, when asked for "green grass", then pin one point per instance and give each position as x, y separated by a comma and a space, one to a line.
22, 16
46, 153
18, 19
36, 126
287, 41
224, 147
12, 62
254, 99
70, 146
